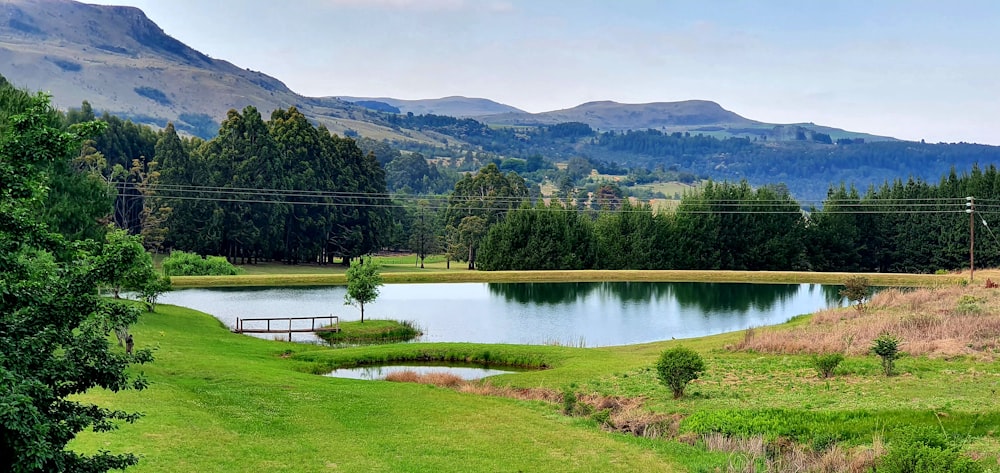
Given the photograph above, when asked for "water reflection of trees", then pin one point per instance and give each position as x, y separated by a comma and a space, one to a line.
732, 297
707, 297
542, 293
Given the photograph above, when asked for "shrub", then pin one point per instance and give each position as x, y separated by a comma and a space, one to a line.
886, 346
825, 364
925, 450
968, 305
856, 289
569, 402
603, 417
678, 366
182, 263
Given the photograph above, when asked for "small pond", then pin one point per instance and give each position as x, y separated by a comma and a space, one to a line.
381, 372
589, 314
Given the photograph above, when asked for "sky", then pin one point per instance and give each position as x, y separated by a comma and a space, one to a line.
911, 69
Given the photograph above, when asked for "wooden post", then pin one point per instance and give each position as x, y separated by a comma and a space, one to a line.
971, 210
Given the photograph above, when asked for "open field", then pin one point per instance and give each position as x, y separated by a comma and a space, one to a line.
224, 402
669, 189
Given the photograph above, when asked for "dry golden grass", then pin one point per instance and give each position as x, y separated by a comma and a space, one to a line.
748, 454
939, 322
442, 379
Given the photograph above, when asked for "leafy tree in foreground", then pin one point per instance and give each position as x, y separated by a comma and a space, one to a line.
123, 263
677, 367
53, 325
363, 281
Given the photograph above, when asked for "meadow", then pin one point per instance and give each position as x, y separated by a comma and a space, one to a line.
224, 402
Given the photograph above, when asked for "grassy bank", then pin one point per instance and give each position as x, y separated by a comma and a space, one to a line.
371, 332
225, 402
393, 274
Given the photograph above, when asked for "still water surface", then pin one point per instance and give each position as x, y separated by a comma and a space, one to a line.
372, 373
576, 314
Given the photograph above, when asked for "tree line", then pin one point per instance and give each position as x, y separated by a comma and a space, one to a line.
281, 189
910, 226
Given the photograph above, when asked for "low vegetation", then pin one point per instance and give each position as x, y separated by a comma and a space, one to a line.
182, 263
371, 332
827, 363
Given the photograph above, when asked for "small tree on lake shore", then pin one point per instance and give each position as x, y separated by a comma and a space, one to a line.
856, 289
678, 366
363, 281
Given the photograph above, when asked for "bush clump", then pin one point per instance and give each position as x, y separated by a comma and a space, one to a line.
928, 451
182, 263
825, 364
677, 367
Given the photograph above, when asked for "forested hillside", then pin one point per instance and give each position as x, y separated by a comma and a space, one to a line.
807, 164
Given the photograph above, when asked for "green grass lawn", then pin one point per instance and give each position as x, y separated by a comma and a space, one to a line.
225, 402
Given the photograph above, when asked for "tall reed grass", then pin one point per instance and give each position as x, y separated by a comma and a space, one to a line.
943, 321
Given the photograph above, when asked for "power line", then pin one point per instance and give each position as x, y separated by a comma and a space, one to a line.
248, 195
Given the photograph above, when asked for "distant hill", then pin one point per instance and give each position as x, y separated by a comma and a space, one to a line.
455, 106
123, 63
694, 116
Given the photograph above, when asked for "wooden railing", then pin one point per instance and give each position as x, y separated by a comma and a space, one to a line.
271, 325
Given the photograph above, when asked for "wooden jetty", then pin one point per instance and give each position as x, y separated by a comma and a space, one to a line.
276, 325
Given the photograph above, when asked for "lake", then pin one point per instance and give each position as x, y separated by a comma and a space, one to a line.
575, 314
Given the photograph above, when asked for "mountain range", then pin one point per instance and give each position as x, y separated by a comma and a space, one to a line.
122, 63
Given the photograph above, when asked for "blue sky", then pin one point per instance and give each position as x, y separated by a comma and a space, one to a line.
913, 69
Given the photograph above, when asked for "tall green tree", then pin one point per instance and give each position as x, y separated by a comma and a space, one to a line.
300, 154
834, 235
632, 237
54, 327
425, 231
487, 196
250, 229
541, 237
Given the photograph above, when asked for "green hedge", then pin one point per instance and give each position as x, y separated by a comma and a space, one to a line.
182, 263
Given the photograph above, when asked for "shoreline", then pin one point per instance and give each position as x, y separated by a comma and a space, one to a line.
437, 276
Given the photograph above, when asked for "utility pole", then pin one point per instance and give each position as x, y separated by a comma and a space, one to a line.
970, 208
